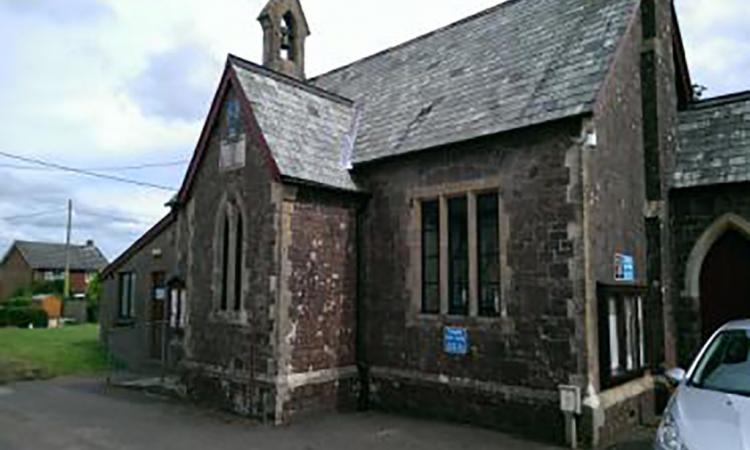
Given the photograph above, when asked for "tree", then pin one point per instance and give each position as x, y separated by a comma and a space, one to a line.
93, 294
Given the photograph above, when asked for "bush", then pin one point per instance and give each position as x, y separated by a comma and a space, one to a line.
18, 302
39, 318
22, 317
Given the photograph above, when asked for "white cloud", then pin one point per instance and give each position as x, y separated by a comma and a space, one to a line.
717, 40
114, 82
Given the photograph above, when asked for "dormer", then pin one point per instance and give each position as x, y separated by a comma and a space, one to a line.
284, 32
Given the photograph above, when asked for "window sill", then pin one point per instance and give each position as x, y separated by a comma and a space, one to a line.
622, 378
505, 324
125, 322
230, 317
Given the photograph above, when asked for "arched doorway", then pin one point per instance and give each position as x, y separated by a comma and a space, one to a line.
725, 281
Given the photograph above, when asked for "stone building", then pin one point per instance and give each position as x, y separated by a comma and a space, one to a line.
455, 226
710, 212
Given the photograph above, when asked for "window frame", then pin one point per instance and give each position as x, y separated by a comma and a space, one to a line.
480, 256
459, 275
433, 259
177, 306
126, 303
443, 194
230, 254
615, 316
225, 260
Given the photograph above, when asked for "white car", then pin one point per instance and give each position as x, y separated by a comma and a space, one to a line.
711, 408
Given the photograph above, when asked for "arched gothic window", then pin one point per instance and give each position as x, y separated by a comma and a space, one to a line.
231, 244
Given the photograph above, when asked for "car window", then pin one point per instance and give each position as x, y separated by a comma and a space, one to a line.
725, 366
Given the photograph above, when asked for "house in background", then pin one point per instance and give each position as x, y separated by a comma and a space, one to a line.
26, 263
455, 226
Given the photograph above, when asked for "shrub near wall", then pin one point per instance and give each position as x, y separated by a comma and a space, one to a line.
19, 312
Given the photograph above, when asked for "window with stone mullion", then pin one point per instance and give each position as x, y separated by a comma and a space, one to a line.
488, 253
458, 251
431, 257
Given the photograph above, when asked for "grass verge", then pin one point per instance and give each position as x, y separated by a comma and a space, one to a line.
48, 353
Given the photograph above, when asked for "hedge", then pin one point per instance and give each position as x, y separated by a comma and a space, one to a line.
22, 317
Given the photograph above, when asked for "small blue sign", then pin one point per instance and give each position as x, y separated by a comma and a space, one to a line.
456, 341
624, 267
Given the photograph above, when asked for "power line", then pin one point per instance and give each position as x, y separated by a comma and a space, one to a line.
105, 169
29, 216
129, 220
87, 172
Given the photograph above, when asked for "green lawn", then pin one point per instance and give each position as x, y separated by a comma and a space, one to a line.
48, 353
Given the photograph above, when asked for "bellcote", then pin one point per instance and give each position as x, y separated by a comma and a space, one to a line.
284, 32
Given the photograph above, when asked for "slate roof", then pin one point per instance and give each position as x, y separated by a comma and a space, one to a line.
306, 128
43, 255
521, 63
714, 142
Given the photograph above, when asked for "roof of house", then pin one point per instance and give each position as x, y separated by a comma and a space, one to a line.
52, 256
714, 142
521, 63
148, 237
306, 129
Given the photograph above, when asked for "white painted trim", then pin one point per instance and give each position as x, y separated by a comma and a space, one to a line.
619, 394
467, 383
297, 380
704, 244
291, 382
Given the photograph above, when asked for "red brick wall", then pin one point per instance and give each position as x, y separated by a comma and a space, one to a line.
323, 286
14, 274
323, 283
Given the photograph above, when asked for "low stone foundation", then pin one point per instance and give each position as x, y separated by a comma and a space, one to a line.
618, 411
233, 394
527, 412
333, 396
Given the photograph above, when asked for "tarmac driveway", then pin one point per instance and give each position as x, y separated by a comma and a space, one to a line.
80, 414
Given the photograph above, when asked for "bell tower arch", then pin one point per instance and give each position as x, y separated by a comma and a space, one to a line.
284, 32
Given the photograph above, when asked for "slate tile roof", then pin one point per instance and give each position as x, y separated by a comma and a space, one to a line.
714, 142
521, 63
305, 127
43, 255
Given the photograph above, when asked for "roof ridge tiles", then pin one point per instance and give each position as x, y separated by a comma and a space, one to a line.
408, 42
720, 100
283, 78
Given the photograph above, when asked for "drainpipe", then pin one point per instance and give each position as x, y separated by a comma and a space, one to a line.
361, 336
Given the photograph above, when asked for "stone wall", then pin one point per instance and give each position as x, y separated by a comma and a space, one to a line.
320, 293
130, 341
660, 105
230, 355
514, 363
614, 183
693, 211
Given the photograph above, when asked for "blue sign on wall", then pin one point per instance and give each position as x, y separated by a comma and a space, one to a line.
624, 267
456, 341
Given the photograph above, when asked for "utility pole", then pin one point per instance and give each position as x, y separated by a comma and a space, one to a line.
66, 291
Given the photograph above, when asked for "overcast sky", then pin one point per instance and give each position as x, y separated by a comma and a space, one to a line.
103, 83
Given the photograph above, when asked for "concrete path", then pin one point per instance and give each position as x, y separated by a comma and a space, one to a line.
80, 414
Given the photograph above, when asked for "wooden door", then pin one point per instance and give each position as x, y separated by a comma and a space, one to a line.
725, 282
